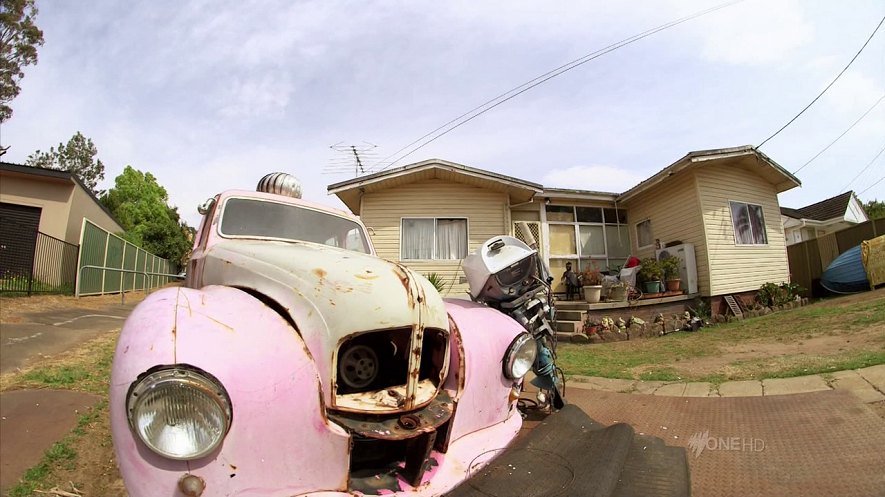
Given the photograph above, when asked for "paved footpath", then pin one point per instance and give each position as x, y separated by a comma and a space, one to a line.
867, 384
32, 420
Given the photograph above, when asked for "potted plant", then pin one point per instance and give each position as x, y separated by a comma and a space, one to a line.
617, 291
650, 275
591, 280
670, 268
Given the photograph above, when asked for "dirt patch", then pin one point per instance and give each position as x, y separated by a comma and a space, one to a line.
96, 470
14, 309
763, 350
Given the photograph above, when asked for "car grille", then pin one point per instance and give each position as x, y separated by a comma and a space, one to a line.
390, 370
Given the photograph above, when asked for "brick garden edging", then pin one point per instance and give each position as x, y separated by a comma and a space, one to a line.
623, 328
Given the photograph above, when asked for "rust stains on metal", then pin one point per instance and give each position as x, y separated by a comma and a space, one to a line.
403, 275
322, 403
368, 275
191, 485
409, 421
320, 273
456, 340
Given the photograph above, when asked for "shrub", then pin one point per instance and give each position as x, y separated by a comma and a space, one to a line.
772, 294
649, 270
436, 280
670, 268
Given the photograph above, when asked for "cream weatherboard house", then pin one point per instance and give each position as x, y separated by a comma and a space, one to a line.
723, 202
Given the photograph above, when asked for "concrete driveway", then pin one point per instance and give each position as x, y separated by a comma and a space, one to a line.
810, 444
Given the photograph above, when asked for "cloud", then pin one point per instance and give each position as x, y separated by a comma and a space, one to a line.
593, 177
264, 95
753, 33
854, 93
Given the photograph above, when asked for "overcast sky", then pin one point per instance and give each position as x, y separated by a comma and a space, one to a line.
210, 95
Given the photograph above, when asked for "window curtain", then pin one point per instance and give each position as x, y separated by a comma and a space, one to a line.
417, 240
749, 224
740, 216
451, 238
757, 222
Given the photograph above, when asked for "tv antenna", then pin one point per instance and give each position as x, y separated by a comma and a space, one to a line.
350, 158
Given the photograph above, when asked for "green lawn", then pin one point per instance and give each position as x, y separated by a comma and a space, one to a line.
855, 324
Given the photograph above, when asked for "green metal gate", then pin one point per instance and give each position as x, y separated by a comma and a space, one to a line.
110, 264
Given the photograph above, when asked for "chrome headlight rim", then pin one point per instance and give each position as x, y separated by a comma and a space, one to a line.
191, 377
523, 343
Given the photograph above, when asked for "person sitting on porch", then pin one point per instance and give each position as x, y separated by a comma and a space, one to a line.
570, 278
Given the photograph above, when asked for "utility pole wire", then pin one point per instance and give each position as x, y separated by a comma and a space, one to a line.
863, 170
874, 184
508, 95
828, 86
840, 136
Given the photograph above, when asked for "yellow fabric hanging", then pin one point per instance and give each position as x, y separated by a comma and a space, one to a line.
873, 256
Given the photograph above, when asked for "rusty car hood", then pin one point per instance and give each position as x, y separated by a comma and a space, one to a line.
330, 293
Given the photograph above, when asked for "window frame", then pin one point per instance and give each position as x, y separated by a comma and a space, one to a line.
602, 259
651, 234
734, 225
435, 234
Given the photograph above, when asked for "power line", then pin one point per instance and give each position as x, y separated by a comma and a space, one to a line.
840, 136
874, 184
864, 169
514, 92
828, 86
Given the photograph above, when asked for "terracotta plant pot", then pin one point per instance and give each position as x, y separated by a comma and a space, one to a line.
674, 285
592, 293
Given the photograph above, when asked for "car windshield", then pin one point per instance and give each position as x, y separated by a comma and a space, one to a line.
253, 218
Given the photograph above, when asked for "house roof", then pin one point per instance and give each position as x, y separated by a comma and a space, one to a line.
824, 210
747, 156
565, 193
350, 191
57, 176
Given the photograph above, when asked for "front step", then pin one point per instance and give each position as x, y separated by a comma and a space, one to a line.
569, 326
570, 454
568, 315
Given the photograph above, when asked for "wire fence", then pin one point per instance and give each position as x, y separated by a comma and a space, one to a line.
41, 264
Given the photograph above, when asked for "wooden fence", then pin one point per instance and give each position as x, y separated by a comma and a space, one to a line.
809, 259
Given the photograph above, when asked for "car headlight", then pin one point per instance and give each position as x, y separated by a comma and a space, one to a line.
178, 412
520, 356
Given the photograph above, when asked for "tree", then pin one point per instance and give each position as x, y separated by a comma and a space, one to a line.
141, 206
77, 156
19, 39
875, 209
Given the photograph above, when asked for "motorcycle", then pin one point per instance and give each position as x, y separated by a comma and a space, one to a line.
507, 274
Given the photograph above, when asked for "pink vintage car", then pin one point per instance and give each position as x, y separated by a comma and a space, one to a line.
295, 361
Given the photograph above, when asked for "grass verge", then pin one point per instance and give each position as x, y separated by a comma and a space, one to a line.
824, 337
83, 456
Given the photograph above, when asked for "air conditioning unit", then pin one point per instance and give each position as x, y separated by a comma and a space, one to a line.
688, 267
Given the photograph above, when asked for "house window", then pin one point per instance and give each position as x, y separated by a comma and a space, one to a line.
643, 234
433, 239
749, 224
586, 236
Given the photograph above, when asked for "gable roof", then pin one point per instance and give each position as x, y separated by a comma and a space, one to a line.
350, 191
56, 175
824, 210
773, 172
